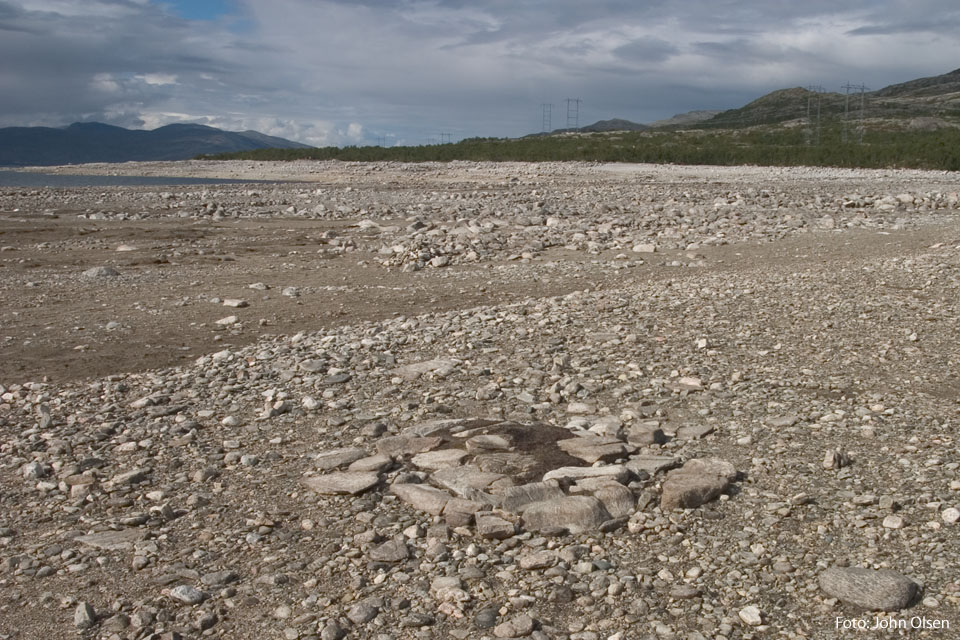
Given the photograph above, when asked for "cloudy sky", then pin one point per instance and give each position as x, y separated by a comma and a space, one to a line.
336, 72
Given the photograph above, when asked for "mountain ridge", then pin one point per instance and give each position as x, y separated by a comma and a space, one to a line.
83, 142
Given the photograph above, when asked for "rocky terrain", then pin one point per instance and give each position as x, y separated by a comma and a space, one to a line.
481, 401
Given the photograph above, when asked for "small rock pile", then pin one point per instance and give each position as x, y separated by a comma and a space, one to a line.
471, 472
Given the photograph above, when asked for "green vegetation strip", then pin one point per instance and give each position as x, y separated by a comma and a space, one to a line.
763, 146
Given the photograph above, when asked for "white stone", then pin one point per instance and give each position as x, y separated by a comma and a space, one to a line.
751, 616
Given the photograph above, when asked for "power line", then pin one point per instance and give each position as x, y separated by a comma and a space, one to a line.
446, 138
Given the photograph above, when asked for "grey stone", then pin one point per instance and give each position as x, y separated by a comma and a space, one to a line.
459, 512
218, 578
84, 616
187, 594
883, 590
101, 272
332, 631
339, 457
439, 366
134, 476
697, 482
464, 480
112, 540
434, 460
576, 514
342, 482
616, 498
516, 498
486, 618
364, 611
421, 497
390, 551
694, 431
34, 471
651, 464
495, 527
836, 459
590, 448
516, 627
406, 445
616, 471
488, 442
537, 560
377, 463
646, 433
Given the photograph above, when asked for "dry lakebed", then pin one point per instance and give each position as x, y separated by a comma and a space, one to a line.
480, 400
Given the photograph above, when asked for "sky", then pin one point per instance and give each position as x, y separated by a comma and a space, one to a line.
356, 72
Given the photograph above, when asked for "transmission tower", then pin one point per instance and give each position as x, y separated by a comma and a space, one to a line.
846, 107
573, 113
863, 89
846, 110
813, 131
547, 117
446, 138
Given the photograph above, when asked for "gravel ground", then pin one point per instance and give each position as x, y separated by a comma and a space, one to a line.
481, 401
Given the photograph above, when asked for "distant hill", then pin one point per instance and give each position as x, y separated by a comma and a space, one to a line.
96, 142
685, 119
615, 124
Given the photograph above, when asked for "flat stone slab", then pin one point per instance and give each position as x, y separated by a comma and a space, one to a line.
439, 366
459, 512
464, 480
488, 442
645, 434
376, 463
453, 426
883, 590
537, 560
342, 483
112, 540
576, 514
406, 445
516, 498
508, 463
651, 464
694, 431
422, 497
436, 460
329, 460
590, 448
618, 500
390, 551
616, 471
494, 527
697, 482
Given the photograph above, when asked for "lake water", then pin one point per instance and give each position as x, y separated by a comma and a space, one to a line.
23, 179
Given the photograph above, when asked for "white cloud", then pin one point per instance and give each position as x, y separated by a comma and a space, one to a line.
105, 82
158, 79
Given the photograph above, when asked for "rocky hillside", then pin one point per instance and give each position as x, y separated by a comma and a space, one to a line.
935, 97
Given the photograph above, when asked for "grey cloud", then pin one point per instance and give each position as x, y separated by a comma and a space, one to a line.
647, 50
949, 24
411, 68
